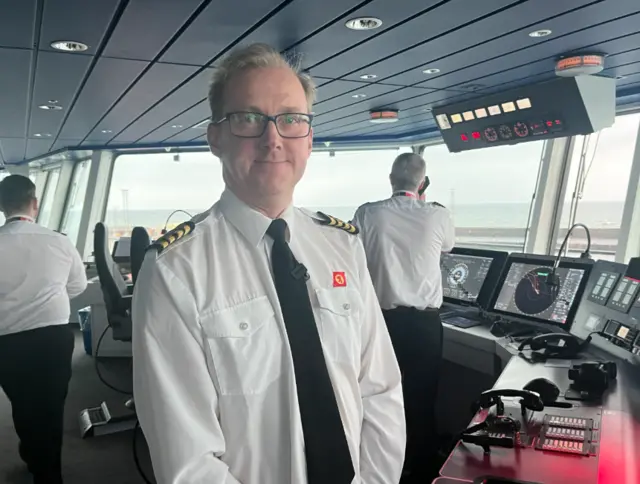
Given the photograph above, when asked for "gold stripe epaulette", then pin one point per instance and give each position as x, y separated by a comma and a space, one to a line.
173, 236
336, 222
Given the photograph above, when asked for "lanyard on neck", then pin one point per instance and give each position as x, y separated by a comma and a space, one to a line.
403, 193
19, 219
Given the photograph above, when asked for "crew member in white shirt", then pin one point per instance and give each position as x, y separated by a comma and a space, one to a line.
260, 351
403, 238
41, 271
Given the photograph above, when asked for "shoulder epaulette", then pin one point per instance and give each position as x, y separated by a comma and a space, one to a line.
173, 236
336, 222
436, 204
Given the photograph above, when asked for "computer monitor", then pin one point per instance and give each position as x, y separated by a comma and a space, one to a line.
121, 253
469, 276
525, 292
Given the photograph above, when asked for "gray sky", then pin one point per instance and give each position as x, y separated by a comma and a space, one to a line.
501, 174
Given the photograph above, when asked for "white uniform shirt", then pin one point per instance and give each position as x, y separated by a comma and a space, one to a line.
213, 375
403, 238
40, 270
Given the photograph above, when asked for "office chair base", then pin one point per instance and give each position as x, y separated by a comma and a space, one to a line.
102, 420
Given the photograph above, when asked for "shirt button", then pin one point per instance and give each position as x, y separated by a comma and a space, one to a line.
244, 326
346, 306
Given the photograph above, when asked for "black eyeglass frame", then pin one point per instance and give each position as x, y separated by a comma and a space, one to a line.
268, 118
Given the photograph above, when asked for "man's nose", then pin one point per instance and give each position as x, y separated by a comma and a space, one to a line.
271, 136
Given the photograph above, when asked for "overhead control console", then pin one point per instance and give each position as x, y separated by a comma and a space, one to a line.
557, 108
611, 306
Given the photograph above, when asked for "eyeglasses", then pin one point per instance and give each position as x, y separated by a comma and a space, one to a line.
253, 125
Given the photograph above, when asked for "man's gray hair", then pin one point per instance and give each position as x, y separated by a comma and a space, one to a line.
407, 172
253, 56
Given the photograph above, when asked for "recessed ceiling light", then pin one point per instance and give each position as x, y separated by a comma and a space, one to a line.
42, 135
106, 131
363, 23
621, 77
50, 107
53, 101
368, 76
358, 96
176, 126
428, 110
431, 71
69, 46
540, 33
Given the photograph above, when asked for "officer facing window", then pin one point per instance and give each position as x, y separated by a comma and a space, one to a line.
41, 271
403, 238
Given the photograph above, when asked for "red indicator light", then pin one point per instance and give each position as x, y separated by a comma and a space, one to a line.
549, 123
558, 122
476, 135
464, 137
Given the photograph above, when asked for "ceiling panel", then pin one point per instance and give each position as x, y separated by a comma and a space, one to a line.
37, 147
13, 149
65, 143
185, 97
450, 16
152, 87
187, 119
373, 92
166, 16
329, 89
78, 20
14, 86
187, 135
477, 39
548, 50
51, 86
108, 79
296, 21
17, 23
337, 38
215, 29
391, 100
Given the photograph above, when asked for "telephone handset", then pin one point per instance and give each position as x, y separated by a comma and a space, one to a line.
555, 345
424, 186
528, 399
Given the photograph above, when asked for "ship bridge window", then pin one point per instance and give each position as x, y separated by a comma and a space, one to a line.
488, 191
75, 201
339, 182
146, 188
46, 203
597, 187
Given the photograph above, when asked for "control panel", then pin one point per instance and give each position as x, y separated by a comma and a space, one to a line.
611, 306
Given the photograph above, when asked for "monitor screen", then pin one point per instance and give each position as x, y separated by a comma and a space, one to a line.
463, 276
604, 286
122, 249
624, 294
527, 293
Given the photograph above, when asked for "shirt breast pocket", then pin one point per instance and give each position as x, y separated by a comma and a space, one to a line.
246, 347
338, 314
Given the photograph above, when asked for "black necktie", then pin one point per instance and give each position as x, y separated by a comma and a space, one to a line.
326, 449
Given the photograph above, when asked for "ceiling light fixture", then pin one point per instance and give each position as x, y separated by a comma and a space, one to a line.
431, 71
368, 76
358, 96
363, 23
69, 46
540, 33
50, 107
106, 131
472, 87
621, 77
176, 126
42, 135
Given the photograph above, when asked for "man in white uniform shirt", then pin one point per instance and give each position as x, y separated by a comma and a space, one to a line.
403, 238
41, 271
260, 351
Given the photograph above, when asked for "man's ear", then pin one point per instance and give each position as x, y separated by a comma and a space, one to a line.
213, 138
310, 147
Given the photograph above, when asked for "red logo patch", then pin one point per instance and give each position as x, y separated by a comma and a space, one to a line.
339, 279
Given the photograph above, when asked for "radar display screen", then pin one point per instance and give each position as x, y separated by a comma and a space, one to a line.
526, 292
604, 286
624, 294
463, 275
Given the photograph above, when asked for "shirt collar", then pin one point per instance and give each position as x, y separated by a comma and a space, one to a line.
252, 224
19, 217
